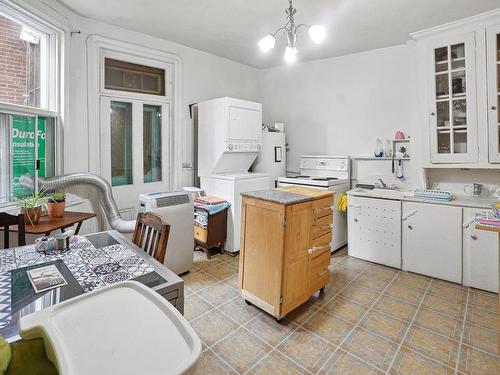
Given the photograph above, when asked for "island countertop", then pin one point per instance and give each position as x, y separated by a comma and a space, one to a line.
288, 195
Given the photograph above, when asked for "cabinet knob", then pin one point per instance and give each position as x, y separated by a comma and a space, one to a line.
410, 227
493, 107
355, 220
433, 114
473, 237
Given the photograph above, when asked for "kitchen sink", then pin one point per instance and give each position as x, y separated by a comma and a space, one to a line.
382, 192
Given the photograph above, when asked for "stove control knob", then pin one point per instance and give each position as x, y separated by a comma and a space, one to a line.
230, 146
258, 147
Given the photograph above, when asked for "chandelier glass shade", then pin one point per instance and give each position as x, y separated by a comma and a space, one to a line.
317, 34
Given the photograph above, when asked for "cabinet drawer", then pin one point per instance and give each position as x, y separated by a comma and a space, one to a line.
200, 234
322, 207
321, 226
320, 245
318, 272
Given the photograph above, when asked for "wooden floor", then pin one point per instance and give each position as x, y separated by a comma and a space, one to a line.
371, 320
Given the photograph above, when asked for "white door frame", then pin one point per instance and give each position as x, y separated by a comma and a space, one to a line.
98, 47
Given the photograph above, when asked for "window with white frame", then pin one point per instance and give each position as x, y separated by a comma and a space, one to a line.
29, 110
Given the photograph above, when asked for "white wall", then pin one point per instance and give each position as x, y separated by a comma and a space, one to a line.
204, 76
340, 106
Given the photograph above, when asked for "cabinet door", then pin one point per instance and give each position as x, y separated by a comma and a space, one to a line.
432, 240
374, 227
296, 258
453, 121
493, 79
480, 255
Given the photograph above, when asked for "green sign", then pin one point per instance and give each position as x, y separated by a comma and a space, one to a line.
23, 150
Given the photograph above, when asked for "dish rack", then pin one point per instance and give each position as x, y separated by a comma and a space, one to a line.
434, 194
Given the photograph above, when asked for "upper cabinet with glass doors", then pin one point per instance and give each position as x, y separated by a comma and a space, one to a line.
453, 123
493, 74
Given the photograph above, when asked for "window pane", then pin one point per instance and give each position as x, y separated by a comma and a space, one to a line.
23, 152
20, 63
152, 143
121, 143
46, 146
125, 76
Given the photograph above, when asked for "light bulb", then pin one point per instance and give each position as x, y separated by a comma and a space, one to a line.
290, 54
267, 43
317, 33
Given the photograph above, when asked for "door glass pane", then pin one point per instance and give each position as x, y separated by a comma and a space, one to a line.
441, 59
460, 141
121, 143
458, 82
443, 142
457, 51
443, 113
23, 153
442, 86
152, 143
459, 112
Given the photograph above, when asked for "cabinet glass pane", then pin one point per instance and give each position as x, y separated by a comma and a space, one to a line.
458, 83
442, 87
458, 51
443, 113
121, 143
459, 112
459, 141
152, 143
443, 142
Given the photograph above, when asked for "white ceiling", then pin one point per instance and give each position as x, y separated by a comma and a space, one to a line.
231, 28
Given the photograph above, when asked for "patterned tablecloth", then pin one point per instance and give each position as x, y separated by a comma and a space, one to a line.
92, 267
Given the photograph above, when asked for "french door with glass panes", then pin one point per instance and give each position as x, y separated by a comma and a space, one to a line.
134, 149
453, 120
493, 74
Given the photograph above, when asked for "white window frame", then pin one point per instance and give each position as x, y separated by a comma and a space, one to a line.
51, 82
98, 48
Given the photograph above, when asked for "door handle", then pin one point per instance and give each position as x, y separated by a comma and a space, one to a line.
474, 237
468, 223
410, 227
409, 215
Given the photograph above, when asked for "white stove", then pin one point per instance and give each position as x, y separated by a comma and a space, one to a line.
325, 172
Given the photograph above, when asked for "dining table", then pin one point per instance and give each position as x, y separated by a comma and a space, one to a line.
92, 261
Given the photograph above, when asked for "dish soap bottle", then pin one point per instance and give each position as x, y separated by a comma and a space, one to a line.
379, 149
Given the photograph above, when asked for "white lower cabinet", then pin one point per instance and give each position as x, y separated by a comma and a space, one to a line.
432, 240
374, 230
480, 255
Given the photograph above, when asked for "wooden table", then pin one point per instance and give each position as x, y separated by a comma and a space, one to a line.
47, 224
494, 229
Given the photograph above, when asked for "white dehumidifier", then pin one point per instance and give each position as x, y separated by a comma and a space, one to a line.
177, 209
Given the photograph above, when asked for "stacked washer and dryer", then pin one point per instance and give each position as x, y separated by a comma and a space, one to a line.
229, 141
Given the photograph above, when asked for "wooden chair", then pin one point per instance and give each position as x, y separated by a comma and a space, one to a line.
6, 221
151, 235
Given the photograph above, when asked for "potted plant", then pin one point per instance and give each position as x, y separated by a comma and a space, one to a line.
31, 206
56, 204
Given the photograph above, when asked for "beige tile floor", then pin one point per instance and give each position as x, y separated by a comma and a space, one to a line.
370, 320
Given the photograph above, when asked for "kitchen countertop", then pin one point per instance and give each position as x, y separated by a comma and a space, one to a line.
407, 196
278, 196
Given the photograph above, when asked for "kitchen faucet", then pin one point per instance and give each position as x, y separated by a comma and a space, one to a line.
384, 185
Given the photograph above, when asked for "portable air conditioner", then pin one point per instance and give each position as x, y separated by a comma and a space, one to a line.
176, 208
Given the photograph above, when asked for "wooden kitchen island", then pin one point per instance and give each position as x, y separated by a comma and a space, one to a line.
285, 247
494, 229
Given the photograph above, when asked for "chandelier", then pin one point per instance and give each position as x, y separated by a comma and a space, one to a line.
290, 30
